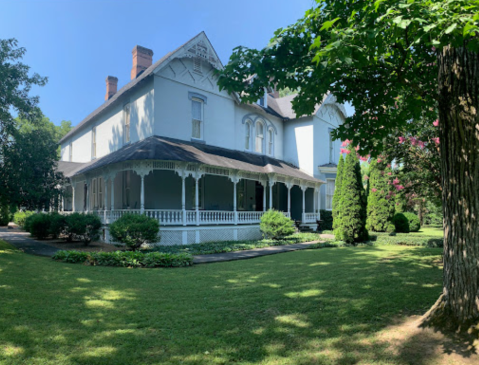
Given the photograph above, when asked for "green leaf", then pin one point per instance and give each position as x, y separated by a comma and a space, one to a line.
451, 28
329, 24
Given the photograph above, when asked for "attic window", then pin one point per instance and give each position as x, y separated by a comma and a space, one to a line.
197, 65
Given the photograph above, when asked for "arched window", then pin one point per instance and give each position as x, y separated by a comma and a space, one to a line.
247, 140
259, 137
270, 142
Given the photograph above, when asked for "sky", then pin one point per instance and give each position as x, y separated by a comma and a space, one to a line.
77, 44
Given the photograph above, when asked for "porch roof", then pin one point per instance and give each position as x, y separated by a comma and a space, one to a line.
170, 149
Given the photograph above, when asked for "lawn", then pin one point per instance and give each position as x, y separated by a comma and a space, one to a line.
322, 306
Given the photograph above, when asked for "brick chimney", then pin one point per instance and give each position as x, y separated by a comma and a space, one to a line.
111, 86
142, 59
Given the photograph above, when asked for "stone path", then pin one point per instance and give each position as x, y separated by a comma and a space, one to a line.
23, 242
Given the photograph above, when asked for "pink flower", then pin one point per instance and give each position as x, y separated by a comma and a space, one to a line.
413, 140
366, 177
399, 187
390, 173
346, 143
343, 150
421, 144
402, 139
347, 152
436, 123
379, 160
363, 158
374, 190
436, 140
396, 181
389, 165
356, 148
388, 197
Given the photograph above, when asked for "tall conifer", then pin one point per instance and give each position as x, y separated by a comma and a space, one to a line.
337, 194
353, 202
380, 209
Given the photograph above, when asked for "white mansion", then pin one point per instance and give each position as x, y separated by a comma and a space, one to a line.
171, 145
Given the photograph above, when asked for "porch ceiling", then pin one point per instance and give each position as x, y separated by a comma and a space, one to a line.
169, 149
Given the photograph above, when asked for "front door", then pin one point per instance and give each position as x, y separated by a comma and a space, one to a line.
259, 196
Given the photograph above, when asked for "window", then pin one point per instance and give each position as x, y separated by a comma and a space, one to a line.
93, 142
126, 115
197, 118
247, 141
70, 152
100, 193
241, 194
270, 142
329, 193
94, 196
126, 188
259, 137
331, 146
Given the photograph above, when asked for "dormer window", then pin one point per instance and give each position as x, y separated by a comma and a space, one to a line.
197, 118
126, 116
259, 137
93, 142
247, 141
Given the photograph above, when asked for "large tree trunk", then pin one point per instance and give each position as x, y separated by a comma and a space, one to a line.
459, 147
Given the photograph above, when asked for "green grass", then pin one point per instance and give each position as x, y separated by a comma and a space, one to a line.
230, 246
305, 307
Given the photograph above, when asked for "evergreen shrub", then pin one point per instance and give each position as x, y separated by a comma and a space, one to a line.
275, 225
21, 216
414, 223
39, 225
85, 227
401, 223
135, 230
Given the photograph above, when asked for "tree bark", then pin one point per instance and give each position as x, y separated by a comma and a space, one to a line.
458, 88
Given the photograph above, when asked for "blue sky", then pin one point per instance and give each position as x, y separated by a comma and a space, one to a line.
78, 43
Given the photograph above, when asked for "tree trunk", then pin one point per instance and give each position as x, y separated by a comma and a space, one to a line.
458, 83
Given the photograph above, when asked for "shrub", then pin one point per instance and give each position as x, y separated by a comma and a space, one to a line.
275, 225
85, 227
126, 259
414, 224
352, 206
5, 214
401, 223
20, 217
39, 225
134, 230
57, 224
328, 221
391, 228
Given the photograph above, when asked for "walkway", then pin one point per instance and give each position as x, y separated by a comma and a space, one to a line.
23, 242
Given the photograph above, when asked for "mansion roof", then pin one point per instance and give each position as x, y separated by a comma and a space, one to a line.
170, 149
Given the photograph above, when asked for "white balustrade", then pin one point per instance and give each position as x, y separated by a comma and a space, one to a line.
249, 217
310, 217
216, 217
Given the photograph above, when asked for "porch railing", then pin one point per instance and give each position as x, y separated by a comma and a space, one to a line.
310, 217
178, 217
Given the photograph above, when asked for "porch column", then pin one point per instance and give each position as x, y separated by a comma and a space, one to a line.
73, 197
303, 188
272, 181
105, 198
319, 203
183, 198
142, 194
112, 198
289, 186
235, 181
264, 196
197, 200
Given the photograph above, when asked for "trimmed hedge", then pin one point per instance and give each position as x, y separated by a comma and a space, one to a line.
327, 218
135, 230
275, 225
401, 223
408, 240
125, 258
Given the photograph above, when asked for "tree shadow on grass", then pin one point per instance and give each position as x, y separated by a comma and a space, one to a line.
314, 306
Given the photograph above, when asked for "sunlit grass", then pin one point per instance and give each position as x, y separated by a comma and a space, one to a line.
305, 307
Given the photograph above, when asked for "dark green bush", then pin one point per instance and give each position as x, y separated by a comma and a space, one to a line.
57, 224
134, 230
39, 225
20, 217
275, 225
408, 240
6, 215
380, 209
327, 218
85, 227
401, 223
126, 258
414, 223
